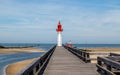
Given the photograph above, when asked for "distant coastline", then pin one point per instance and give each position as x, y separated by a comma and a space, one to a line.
43, 46
48, 45
9, 50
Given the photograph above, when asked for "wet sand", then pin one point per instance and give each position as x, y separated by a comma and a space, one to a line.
19, 50
14, 68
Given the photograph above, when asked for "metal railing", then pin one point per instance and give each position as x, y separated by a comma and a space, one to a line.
114, 54
81, 54
107, 66
38, 66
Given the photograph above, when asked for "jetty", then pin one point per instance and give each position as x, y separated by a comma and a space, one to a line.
64, 62
60, 61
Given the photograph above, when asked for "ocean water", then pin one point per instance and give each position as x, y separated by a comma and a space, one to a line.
48, 46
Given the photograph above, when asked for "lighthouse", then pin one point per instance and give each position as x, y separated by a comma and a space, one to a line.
59, 31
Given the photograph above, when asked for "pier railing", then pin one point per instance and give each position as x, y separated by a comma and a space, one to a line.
86, 55
108, 65
81, 54
114, 54
38, 66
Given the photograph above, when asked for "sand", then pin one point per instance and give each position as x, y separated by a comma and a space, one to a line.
101, 52
19, 50
14, 68
104, 49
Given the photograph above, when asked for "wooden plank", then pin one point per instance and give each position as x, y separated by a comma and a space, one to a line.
64, 62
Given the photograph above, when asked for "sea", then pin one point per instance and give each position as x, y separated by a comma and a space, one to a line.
48, 46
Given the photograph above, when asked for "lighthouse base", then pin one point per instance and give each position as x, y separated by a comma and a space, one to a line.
59, 41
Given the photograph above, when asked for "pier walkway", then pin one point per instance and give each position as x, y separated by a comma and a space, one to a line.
63, 62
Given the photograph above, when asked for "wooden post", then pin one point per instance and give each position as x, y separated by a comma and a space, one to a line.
99, 63
84, 55
88, 57
109, 67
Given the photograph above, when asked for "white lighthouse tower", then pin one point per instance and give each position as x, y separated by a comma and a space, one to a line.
59, 38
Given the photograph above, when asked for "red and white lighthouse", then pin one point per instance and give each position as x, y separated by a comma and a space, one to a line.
59, 38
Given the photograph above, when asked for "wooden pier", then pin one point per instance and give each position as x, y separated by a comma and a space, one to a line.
63, 62
70, 61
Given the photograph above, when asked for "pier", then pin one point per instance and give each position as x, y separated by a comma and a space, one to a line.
64, 62
60, 61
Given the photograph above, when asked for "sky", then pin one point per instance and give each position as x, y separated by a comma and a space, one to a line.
83, 21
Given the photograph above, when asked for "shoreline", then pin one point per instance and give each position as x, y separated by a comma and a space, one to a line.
7, 51
17, 66
19, 50
4, 71
111, 49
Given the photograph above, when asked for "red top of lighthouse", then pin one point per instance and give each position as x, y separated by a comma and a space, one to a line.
59, 27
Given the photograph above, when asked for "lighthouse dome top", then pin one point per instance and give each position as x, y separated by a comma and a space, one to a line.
59, 27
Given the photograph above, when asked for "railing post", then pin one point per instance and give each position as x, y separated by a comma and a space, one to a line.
84, 55
108, 67
87, 57
99, 62
110, 54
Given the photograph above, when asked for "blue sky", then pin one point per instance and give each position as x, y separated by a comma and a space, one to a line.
84, 21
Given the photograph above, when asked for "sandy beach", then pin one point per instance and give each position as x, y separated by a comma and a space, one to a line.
103, 49
102, 52
19, 50
14, 68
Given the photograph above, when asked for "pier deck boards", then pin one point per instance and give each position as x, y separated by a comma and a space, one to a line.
64, 62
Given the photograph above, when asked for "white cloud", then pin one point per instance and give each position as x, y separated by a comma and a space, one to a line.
78, 21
